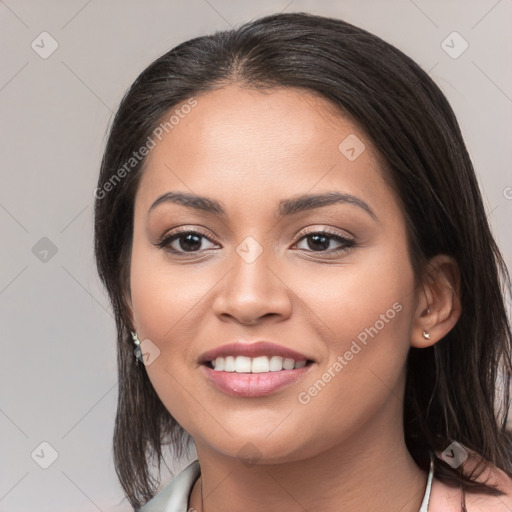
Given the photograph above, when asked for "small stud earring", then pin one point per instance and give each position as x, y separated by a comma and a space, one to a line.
426, 335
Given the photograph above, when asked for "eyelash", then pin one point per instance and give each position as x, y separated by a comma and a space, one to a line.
348, 243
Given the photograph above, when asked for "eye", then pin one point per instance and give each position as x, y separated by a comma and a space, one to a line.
319, 241
190, 241
183, 242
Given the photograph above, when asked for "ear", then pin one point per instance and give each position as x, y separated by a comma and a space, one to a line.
438, 300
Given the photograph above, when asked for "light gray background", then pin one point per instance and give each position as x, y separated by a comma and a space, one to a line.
57, 365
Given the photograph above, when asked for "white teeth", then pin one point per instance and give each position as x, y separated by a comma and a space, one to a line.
288, 364
276, 363
262, 364
229, 363
243, 364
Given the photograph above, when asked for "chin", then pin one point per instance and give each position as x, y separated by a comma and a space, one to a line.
261, 448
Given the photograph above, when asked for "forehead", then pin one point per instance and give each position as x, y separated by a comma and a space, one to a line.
260, 145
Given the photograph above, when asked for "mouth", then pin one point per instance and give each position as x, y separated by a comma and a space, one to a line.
255, 369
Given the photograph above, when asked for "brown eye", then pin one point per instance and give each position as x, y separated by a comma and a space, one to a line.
184, 242
320, 241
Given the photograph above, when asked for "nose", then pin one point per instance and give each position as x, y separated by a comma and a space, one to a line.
252, 292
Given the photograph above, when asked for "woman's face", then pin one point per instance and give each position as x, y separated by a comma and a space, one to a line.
259, 268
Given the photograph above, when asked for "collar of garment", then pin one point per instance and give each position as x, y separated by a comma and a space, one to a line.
174, 497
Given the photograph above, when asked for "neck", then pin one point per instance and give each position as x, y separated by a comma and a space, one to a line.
372, 470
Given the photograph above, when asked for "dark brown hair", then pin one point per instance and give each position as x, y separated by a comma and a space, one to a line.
452, 387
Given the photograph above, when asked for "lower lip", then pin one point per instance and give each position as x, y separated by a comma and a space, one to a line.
253, 384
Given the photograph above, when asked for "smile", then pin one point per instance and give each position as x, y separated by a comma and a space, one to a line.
262, 364
250, 384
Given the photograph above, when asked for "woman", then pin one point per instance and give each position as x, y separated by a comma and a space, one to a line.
294, 243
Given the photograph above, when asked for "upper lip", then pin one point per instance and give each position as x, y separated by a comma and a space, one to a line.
251, 349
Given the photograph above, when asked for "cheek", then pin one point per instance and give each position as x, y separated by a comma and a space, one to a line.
164, 294
165, 302
365, 298
169, 302
365, 310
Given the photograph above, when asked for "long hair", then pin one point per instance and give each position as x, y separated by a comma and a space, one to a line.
452, 391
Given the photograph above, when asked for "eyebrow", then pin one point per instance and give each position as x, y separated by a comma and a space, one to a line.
286, 207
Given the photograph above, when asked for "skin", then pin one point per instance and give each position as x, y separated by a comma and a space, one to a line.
249, 149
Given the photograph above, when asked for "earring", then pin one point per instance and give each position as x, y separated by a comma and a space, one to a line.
426, 335
136, 340
137, 350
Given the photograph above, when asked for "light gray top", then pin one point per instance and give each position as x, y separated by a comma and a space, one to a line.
175, 496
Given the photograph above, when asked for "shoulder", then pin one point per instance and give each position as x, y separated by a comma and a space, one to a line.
480, 502
446, 498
